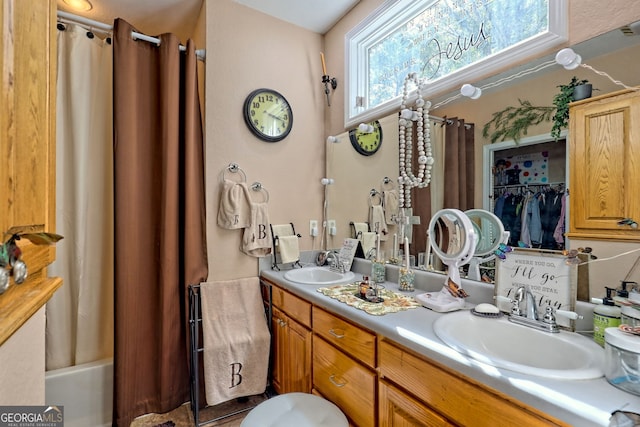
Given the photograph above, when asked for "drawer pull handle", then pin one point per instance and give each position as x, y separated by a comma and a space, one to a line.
333, 381
336, 334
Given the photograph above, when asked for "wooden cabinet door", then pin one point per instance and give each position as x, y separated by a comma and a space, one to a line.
398, 409
605, 166
291, 362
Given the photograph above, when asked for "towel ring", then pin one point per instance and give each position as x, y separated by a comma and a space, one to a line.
387, 184
372, 195
234, 168
256, 186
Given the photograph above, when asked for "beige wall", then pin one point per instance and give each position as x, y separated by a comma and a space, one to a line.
247, 49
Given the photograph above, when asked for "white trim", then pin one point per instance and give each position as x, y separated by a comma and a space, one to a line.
393, 11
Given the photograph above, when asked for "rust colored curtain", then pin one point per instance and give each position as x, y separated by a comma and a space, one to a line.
455, 187
160, 243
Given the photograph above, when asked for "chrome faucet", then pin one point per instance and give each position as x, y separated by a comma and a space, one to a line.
333, 259
529, 317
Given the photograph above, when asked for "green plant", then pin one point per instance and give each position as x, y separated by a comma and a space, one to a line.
513, 122
561, 102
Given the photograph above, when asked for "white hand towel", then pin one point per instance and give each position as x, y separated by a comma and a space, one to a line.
234, 211
360, 228
282, 229
256, 240
391, 205
236, 339
368, 241
377, 221
288, 248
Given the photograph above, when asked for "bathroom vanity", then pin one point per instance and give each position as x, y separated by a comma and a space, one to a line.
392, 369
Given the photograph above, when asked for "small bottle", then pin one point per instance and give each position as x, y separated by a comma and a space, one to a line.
605, 315
364, 287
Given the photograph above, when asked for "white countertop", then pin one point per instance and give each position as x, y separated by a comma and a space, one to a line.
578, 402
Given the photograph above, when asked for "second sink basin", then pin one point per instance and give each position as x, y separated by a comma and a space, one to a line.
502, 344
318, 276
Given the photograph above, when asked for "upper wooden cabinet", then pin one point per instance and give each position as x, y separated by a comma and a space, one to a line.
27, 147
604, 138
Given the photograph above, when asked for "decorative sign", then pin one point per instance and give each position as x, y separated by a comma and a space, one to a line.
347, 252
529, 168
547, 274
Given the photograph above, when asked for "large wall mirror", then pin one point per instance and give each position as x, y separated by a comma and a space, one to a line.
355, 176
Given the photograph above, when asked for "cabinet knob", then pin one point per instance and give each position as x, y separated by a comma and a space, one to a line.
628, 221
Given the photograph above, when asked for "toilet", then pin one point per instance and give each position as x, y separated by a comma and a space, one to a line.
295, 410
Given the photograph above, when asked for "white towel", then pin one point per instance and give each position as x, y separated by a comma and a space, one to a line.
234, 211
256, 240
288, 248
236, 339
282, 229
368, 241
360, 228
391, 205
377, 221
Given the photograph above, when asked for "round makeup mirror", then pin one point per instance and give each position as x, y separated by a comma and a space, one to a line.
453, 239
490, 233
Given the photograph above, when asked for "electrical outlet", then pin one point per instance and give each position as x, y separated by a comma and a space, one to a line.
331, 225
313, 228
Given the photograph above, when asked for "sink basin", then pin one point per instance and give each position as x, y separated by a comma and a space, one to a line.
318, 276
502, 344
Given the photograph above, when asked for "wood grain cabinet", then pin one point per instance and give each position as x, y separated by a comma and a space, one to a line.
437, 396
344, 357
291, 343
604, 147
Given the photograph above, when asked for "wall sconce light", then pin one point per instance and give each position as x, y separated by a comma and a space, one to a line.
470, 91
568, 59
332, 139
84, 5
326, 80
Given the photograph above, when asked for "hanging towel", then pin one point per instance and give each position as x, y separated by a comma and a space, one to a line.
288, 248
236, 339
368, 241
360, 228
235, 208
377, 221
390, 204
256, 240
282, 229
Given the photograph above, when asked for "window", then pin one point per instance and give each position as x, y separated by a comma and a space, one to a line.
447, 42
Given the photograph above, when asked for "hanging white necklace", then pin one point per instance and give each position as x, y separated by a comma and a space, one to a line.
420, 116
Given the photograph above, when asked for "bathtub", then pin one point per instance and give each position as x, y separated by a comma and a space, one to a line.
85, 391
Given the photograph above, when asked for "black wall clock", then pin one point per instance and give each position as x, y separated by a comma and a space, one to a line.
366, 143
268, 115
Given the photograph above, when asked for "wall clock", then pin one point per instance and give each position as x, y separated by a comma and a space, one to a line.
268, 115
366, 143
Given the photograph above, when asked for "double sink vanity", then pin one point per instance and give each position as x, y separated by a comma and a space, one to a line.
421, 367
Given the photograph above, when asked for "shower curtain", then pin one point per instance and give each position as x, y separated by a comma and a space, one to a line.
159, 220
452, 185
80, 314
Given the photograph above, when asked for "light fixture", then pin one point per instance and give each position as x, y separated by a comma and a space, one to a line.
84, 5
365, 128
568, 59
470, 91
332, 139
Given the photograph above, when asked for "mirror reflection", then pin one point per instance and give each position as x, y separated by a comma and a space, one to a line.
356, 175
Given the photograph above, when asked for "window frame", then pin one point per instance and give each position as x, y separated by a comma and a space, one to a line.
394, 13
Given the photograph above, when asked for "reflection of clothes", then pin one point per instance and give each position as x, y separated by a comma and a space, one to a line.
531, 232
558, 234
550, 214
497, 209
510, 218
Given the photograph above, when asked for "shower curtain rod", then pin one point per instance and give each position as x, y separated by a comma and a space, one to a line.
200, 53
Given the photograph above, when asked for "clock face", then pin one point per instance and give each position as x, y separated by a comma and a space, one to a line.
366, 143
268, 115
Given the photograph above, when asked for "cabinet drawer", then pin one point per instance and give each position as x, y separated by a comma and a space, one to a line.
344, 382
295, 307
400, 409
460, 400
353, 340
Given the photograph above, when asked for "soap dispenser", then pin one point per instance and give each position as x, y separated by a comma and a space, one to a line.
605, 315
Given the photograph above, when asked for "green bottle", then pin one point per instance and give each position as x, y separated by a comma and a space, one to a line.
605, 315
